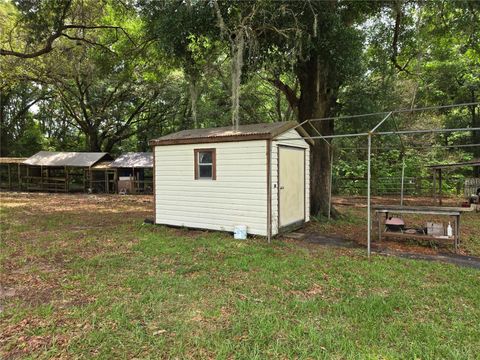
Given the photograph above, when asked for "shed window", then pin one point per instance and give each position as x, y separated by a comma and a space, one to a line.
205, 164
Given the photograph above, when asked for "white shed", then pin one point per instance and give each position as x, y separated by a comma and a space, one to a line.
257, 175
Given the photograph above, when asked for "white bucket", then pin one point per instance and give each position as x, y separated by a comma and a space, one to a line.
240, 232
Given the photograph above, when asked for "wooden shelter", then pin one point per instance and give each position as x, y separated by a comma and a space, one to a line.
254, 175
11, 172
78, 171
62, 171
438, 170
102, 178
134, 172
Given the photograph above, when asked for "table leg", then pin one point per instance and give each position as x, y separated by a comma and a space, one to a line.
379, 219
455, 235
458, 230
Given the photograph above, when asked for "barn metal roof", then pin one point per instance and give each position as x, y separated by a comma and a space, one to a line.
102, 165
134, 159
12, 160
263, 131
71, 159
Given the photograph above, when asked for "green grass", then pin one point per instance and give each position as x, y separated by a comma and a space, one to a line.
124, 290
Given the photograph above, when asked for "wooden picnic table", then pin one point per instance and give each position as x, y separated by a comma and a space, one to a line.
454, 212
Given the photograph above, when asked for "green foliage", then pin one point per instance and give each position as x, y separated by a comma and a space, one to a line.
174, 68
20, 134
30, 142
350, 170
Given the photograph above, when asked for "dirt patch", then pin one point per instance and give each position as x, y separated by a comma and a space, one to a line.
460, 260
315, 290
21, 342
37, 295
33, 284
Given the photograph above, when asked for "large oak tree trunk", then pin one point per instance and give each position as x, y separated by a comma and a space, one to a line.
93, 141
316, 101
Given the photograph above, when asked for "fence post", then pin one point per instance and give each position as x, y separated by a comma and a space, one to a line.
403, 176
330, 184
369, 177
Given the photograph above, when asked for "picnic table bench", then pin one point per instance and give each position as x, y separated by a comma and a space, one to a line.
454, 212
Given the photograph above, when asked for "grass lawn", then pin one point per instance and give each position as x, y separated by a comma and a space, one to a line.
82, 277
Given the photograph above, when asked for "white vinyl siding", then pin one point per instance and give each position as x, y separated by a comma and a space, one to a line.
283, 139
237, 196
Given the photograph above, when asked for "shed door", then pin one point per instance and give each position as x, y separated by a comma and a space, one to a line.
291, 185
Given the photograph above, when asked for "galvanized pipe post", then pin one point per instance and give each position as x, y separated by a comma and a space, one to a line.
369, 183
330, 185
403, 177
369, 175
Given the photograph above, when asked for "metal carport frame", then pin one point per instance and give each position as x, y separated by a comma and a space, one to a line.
369, 143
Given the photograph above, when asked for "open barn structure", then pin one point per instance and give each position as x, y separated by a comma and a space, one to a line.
11, 171
134, 172
92, 172
64, 171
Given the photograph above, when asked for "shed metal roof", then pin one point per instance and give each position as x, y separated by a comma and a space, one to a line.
263, 131
134, 159
71, 159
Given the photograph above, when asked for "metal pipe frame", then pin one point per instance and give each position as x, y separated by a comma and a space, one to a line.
403, 180
381, 122
369, 145
402, 132
330, 184
424, 131
369, 183
409, 147
399, 111
369, 200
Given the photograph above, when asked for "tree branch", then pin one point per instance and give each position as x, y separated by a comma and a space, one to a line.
396, 35
46, 49
93, 43
289, 93
60, 32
